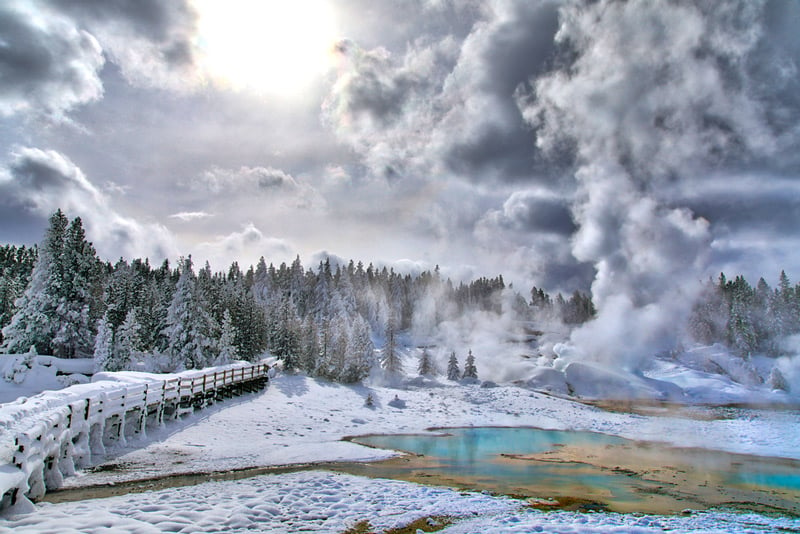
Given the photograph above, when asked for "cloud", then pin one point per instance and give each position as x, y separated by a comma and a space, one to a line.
244, 179
47, 63
152, 41
652, 97
42, 181
188, 216
53, 50
245, 246
445, 105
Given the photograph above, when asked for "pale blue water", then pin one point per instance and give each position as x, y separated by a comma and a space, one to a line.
476, 454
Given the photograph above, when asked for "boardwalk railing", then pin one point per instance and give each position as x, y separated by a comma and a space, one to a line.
65, 438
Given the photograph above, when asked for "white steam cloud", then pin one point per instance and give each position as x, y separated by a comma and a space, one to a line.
658, 92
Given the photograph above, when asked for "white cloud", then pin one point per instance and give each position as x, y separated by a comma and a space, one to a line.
48, 64
188, 216
42, 181
246, 247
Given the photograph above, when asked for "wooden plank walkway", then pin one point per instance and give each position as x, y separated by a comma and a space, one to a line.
64, 438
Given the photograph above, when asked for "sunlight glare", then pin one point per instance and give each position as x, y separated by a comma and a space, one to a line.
277, 47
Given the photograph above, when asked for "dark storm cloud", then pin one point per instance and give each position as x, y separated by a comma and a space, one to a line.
533, 212
446, 103
47, 64
53, 50
151, 40
761, 203
154, 19
657, 96
38, 182
520, 45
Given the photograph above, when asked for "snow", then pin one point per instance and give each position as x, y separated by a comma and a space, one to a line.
321, 501
47, 373
301, 420
298, 420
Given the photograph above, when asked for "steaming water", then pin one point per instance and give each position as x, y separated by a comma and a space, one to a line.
589, 469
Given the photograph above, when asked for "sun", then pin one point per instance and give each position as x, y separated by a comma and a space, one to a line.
276, 47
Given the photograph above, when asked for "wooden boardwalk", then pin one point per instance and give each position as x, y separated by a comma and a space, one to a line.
64, 438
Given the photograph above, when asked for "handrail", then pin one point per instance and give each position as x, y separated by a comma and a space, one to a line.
64, 437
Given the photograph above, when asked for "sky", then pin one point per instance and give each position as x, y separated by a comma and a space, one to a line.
631, 148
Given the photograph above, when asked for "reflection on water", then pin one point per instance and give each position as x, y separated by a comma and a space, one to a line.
589, 468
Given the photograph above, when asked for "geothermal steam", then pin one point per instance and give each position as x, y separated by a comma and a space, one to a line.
651, 94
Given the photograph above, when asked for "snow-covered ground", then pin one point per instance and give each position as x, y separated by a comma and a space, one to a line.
302, 420
23, 375
299, 420
318, 501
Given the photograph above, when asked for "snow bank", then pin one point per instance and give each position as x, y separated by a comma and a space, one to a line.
26, 374
590, 381
320, 501
301, 420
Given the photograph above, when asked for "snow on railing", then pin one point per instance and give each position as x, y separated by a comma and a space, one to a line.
64, 437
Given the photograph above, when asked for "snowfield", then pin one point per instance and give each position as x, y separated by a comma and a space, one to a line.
297, 419
302, 420
317, 501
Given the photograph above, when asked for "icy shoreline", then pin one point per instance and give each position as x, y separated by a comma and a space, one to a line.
302, 420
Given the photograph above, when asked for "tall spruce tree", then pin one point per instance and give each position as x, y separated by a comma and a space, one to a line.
426, 367
190, 330
470, 371
34, 323
390, 359
453, 372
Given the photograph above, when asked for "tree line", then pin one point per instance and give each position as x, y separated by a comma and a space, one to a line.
746, 318
59, 298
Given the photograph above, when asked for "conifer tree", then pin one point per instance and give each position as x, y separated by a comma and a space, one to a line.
309, 347
190, 328
78, 297
426, 367
34, 321
103, 344
227, 348
126, 343
390, 360
360, 356
453, 372
470, 371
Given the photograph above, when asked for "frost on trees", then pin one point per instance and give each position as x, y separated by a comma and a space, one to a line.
453, 371
470, 371
103, 344
426, 367
390, 360
127, 343
227, 349
190, 328
57, 311
360, 359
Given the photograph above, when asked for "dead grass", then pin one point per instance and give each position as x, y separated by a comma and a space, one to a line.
425, 524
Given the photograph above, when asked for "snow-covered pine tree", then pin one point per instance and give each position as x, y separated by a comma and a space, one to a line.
309, 346
361, 353
390, 359
127, 343
227, 348
453, 372
426, 367
777, 381
190, 330
470, 371
339, 347
34, 321
103, 344
78, 299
